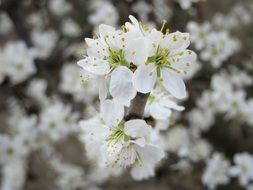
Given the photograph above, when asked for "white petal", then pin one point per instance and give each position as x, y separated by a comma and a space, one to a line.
142, 172
173, 83
96, 48
140, 141
112, 112
144, 78
121, 86
102, 88
170, 104
159, 112
136, 51
150, 154
154, 39
106, 31
94, 129
183, 59
94, 65
176, 40
137, 128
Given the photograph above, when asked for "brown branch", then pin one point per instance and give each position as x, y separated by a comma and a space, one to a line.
137, 106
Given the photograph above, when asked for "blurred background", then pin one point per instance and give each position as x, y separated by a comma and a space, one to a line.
43, 95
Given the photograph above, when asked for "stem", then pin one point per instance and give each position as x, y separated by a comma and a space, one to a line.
137, 106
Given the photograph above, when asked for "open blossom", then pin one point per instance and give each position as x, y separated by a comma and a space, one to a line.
160, 104
44, 42
103, 12
243, 168
168, 58
114, 52
57, 121
216, 172
20, 66
187, 4
156, 56
85, 90
121, 144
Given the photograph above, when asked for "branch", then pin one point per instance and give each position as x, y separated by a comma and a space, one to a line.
137, 106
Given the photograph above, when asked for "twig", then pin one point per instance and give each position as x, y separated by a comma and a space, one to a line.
137, 106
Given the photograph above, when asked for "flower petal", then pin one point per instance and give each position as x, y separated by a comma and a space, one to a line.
121, 86
173, 83
137, 128
112, 112
102, 88
154, 39
159, 112
140, 141
170, 104
136, 51
176, 41
94, 65
144, 78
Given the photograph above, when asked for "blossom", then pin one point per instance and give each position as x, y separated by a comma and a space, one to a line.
57, 121
216, 172
243, 168
14, 175
186, 4
160, 104
121, 143
59, 7
20, 66
70, 28
103, 12
5, 23
113, 53
44, 42
85, 90
168, 58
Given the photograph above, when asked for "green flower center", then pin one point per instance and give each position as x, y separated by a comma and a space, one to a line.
117, 58
117, 134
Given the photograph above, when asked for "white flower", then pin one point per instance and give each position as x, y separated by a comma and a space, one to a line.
12, 149
37, 90
216, 172
199, 33
219, 47
69, 176
186, 4
44, 42
14, 175
122, 143
85, 90
59, 7
57, 121
5, 23
113, 53
70, 28
243, 168
103, 12
161, 10
177, 139
168, 58
18, 61
159, 105
142, 8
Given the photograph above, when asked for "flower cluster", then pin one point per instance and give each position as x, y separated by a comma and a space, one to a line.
134, 59
215, 47
153, 56
219, 171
